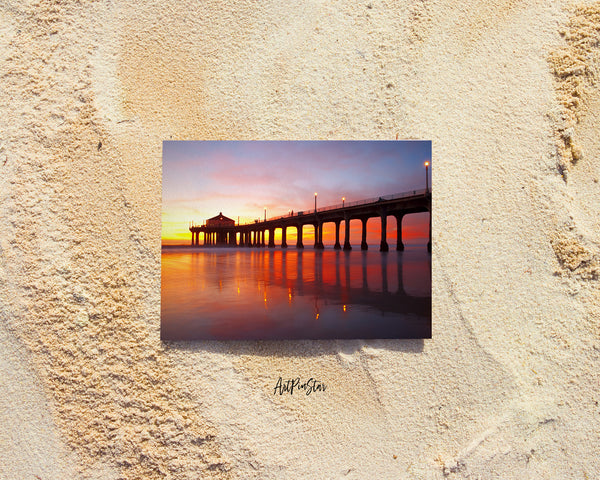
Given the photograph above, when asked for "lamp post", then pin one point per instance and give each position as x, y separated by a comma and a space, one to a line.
315, 203
426, 177
343, 201
265, 214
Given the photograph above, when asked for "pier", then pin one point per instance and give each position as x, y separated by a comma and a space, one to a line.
254, 234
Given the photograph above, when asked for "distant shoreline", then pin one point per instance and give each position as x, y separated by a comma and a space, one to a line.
327, 247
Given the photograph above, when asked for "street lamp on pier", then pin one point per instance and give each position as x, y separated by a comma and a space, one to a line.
315, 203
343, 201
426, 177
265, 214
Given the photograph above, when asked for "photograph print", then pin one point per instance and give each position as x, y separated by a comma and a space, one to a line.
290, 240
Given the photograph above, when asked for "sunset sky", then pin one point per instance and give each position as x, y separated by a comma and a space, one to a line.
241, 178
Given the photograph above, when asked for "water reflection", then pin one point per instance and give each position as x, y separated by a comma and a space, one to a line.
278, 294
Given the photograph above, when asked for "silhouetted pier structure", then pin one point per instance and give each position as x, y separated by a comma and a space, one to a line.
254, 234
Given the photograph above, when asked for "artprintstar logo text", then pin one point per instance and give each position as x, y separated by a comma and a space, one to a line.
295, 384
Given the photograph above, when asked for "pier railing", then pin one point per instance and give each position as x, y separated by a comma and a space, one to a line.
366, 201
395, 196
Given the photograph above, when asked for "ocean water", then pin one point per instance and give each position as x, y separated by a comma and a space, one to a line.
261, 293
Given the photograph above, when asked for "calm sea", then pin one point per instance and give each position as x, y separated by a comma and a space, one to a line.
247, 293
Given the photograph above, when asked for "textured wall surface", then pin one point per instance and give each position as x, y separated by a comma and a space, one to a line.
509, 93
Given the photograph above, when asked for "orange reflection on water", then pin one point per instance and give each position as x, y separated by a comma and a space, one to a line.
261, 293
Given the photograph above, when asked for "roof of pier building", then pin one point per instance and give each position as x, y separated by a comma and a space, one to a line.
220, 221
